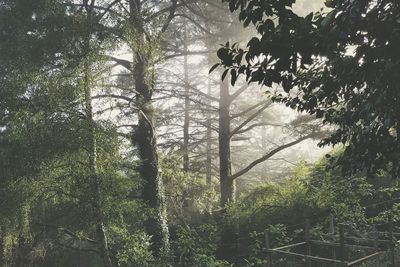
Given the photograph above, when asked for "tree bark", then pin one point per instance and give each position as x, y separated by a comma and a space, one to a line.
224, 136
226, 249
187, 107
156, 225
209, 141
92, 151
210, 45
152, 189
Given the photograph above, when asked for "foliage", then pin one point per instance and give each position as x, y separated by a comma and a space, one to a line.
188, 196
196, 246
340, 65
313, 192
132, 248
49, 195
60, 192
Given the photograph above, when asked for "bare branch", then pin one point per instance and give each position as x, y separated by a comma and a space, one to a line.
249, 109
184, 53
69, 232
195, 23
269, 155
258, 125
170, 9
121, 97
122, 62
171, 15
238, 92
107, 9
250, 118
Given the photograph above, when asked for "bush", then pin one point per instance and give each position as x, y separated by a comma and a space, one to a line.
197, 246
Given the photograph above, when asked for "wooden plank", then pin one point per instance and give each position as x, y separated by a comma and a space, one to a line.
368, 239
383, 241
332, 233
376, 237
342, 243
388, 233
363, 239
292, 245
364, 259
315, 258
332, 244
391, 249
307, 237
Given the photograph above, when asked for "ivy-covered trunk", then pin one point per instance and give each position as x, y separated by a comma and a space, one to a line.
156, 225
101, 237
152, 188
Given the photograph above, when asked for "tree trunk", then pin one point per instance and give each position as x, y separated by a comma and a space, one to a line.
226, 183
187, 107
152, 189
209, 141
156, 225
92, 150
264, 148
226, 249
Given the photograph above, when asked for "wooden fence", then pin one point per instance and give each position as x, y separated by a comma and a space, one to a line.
341, 245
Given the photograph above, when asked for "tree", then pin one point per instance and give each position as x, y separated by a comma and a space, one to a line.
59, 161
340, 65
140, 26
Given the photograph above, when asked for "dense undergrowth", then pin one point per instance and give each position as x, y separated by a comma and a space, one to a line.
314, 192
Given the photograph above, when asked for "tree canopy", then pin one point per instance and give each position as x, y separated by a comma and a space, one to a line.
340, 64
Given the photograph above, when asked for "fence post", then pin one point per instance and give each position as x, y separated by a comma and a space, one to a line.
392, 260
375, 235
331, 224
307, 237
267, 247
342, 244
237, 248
332, 233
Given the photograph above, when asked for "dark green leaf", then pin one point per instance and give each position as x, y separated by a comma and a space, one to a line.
214, 67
